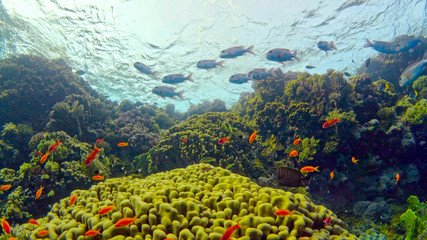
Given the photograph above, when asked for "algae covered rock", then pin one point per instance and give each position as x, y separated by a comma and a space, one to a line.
183, 204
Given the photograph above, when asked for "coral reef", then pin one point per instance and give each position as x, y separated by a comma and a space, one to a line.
183, 204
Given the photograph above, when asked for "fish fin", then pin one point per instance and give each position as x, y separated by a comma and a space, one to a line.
221, 63
163, 97
189, 78
250, 49
368, 43
180, 94
283, 63
155, 74
333, 45
317, 169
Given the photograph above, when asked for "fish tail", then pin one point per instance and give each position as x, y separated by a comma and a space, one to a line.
221, 63
155, 74
180, 94
190, 78
317, 169
333, 45
368, 43
295, 55
250, 49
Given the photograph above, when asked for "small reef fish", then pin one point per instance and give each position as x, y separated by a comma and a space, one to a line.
105, 210
208, 159
223, 140
123, 144
308, 169
261, 73
234, 52
33, 221
354, 160
176, 78
5, 187
294, 153
281, 55
80, 72
290, 177
239, 78
43, 233
125, 222
73, 199
54, 146
297, 141
384, 87
347, 74
92, 233
327, 221
330, 123
413, 94
98, 177
39, 192
92, 156
229, 232
332, 175
144, 69
382, 46
166, 91
413, 71
326, 46
253, 136
208, 64
310, 66
397, 177
44, 158
5, 225
282, 212
99, 141
185, 140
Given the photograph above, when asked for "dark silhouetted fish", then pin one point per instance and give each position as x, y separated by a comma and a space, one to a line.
166, 91
347, 74
261, 73
239, 78
208, 64
290, 177
144, 69
326, 46
235, 52
80, 72
310, 66
281, 55
177, 78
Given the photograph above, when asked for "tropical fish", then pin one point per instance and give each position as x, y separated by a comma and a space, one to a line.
413, 71
208, 159
354, 160
166, 91
125, 222
5, 187
413, 94
308, 169
261, 73
223, 140
54, 146
80, 72
98, 177
39, 192
184, 140
208, 64
236, 51
92, 156
176, 78
43, 233
327, 221
105, 210
408, 45
123, 144
397, 177
239, 78
12, 238
326, 46
332, 175
144, 69
382, 46
98, 141
33, 221
297, 141
44, 158
330, 123
253, 136
92, 233
367, 62
5, 225
281, 55
282, 212
229, 232
73, 199
347, 74
294, 153
310, 66
290, 177
384, 87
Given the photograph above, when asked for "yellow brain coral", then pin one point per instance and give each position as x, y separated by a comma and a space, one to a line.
199, 202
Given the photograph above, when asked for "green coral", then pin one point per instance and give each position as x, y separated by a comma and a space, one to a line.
420, 85
414, 219
417, 114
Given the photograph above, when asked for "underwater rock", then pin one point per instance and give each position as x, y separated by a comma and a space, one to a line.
374, 236
372, 210
360, 207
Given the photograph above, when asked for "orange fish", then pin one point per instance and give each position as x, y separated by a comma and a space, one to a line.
44, 158
124, 222
282, 212
73, 199
12, 238
354, 160
98, 177
39, 192
5, 225
297, 141
33, 221
185, 140
92, 156
43, 233
253, 136
105, 210
332, 175
294, 153
54, 146
223, 140
308, 169
397, 177
92, 232
229, 232
98, 141
330, 123
5, 187
122, 144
